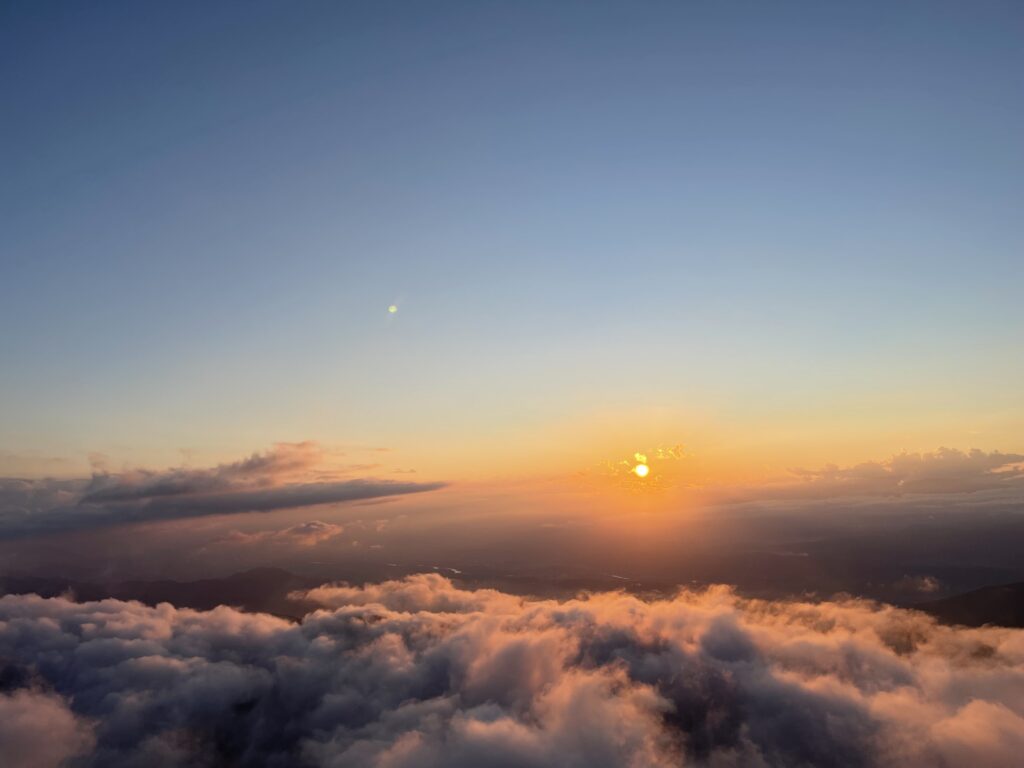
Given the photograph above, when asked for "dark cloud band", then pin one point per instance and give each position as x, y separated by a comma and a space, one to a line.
90, 515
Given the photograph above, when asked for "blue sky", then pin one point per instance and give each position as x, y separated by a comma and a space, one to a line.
759, 211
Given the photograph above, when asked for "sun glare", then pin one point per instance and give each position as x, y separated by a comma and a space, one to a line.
641, 470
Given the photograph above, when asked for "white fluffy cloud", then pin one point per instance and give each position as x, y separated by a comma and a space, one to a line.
38, 730
420, 673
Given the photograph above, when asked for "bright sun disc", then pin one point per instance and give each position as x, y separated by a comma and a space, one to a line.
641, 470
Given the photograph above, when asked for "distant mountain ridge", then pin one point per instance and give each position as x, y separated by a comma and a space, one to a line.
262, 590
1001, 605
267, 590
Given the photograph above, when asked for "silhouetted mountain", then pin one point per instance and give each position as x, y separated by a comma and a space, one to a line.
1001, 605
266, 590
263, 590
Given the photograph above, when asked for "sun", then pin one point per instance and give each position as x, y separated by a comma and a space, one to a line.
641, 470
392, 309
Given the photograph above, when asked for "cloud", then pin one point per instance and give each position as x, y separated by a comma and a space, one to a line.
288, 476
38, 730
923, 584
945, 471
258, 500
284, 460
306, 534
421, 673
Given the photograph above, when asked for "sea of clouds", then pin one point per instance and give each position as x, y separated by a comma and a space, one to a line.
420, 673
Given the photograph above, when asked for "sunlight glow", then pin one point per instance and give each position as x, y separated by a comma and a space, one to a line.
641, 470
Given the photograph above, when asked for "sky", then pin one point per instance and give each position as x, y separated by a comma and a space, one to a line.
781, 235
393, 384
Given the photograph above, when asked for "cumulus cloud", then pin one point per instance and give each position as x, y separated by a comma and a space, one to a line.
923, 584
421, 673
285, 477
306, 534
39, 730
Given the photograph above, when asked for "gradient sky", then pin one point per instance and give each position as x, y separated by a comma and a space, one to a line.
776, 233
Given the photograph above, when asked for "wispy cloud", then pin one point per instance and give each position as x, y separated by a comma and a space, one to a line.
288, 476
306, 534
283, 462
945, 471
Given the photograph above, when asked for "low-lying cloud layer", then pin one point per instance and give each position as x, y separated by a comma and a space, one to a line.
420, 673
288, 476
